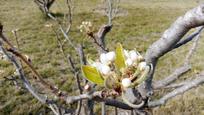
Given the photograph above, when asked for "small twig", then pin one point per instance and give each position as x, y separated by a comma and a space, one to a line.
60, 44
171, 78
16, 38
69, 15
103, 108
193, 83
67, 37
189, 38
110, 11
20, 72
53, 109
76, 73
193, 48
101, 46
23, 59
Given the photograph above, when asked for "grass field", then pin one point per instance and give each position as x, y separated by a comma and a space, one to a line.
143, 23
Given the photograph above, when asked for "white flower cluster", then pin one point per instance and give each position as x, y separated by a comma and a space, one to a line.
85, 26
131, 57
135, 65
105, 60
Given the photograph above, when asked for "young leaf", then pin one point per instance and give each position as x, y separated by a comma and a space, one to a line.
120, 58
92, 74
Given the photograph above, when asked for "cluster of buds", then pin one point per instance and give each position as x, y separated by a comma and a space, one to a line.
117, 70
86, 26
103, 65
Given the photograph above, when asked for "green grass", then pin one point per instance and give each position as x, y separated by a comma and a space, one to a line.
144, 23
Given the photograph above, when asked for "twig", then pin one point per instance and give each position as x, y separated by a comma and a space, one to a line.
20, 72
183, 69
110, 4
193, 48
23, 59
189, 38
194, 83
69, 15
103, 108
171, 78
16, 38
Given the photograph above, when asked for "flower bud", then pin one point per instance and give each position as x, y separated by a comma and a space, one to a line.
126, 82
142, 66
126, 53
83, 23
87, 87
140, 58
128, 62
133, 55
104, 69
110, 56
97, 65
103, 58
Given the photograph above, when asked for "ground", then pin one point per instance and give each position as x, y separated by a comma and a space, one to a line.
141, 24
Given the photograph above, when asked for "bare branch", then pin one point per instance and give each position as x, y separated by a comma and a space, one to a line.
100, 96
76, 73
100, 37
171, 78
110, 11
69, 6
23, 59
44, 5
194, 83
193, 48
182, 70
20, 72
170, 37
189, 38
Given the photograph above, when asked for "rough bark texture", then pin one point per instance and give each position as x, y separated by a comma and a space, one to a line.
170, 38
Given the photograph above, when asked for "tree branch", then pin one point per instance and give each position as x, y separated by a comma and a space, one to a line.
194, 83
170, 37
171, 78
182, 70
189, 38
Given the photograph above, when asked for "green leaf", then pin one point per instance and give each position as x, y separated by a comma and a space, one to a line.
120, 57
92, 74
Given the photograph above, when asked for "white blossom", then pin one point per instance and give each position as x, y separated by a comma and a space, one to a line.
107, 58
126, 53
142, 66
110, 56
104, 69
133, 55
97, 65
140, 58
126, 82
103, 58
128, 62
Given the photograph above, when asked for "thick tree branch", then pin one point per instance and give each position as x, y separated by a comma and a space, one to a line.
183, 69
170, 37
